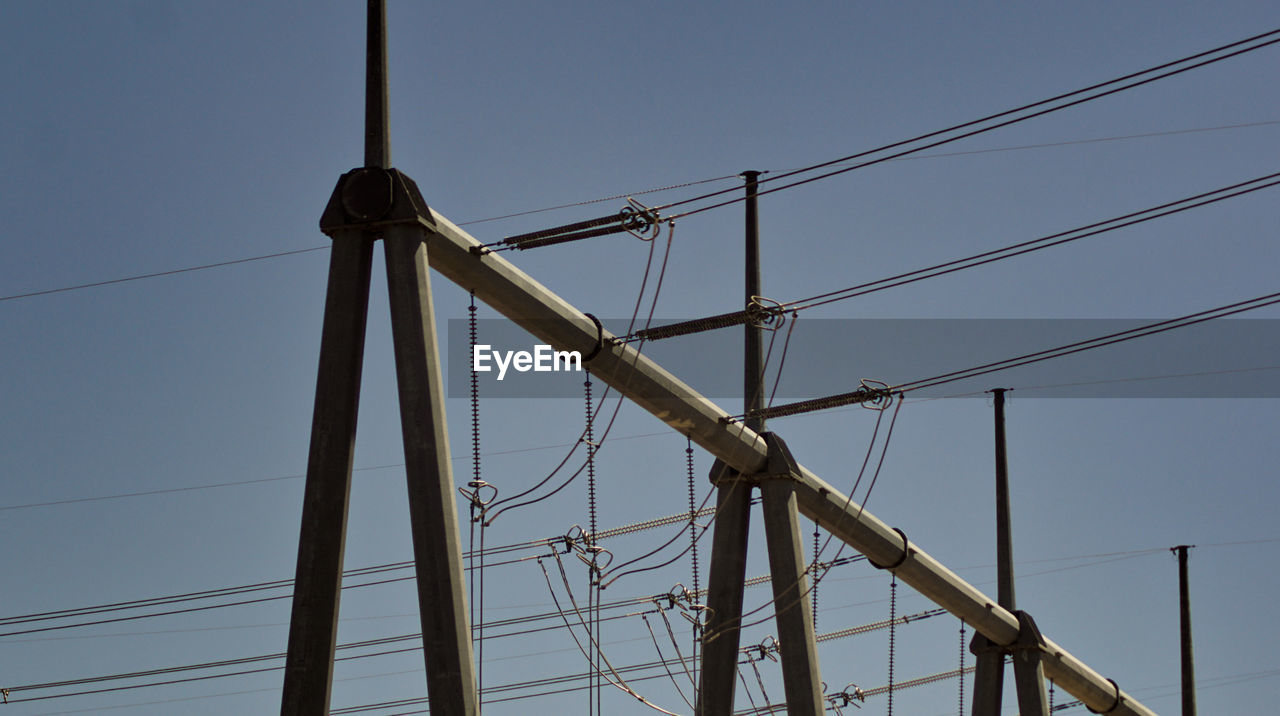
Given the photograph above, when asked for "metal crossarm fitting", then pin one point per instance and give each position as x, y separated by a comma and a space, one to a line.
370, 198
769, 317
867, 394
635, 218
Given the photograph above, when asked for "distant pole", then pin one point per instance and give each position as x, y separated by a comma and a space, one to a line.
1184, 608
377, 127
721, 635
1004, 531
753, 376
1028, 671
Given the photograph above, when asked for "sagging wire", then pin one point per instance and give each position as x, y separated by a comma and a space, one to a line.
665, 663
619, 683
600, 406
1263, 37
671, 635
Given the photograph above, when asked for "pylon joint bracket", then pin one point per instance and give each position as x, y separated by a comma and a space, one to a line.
370, 198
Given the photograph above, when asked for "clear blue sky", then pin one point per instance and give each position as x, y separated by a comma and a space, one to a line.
140, 137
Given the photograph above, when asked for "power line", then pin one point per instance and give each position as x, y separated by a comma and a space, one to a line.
614, 197
299, 476
1261, 41
1063, 237
158, 274
973, 261
870, 394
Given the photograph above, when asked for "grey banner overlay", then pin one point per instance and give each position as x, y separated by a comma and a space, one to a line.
1229, 358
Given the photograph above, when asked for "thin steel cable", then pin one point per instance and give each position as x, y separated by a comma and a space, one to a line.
998, 125
665, 664
620, 683
1063, 237
618, 406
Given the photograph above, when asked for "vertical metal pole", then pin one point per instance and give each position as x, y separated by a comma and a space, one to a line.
988, 675
313, 625
797, 644
1028, 672
721, 635
1184, 612
1004, 532
446, 631
753, 375
377, 126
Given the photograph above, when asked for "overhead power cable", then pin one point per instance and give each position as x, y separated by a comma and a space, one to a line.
1008, 117
1021, 147
1057, 239
868, 394
775, 312
567, 540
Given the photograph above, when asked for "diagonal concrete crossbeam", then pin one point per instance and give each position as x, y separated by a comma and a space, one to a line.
459, 257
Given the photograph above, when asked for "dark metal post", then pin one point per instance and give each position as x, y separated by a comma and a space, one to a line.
1004, 532
377, 125
728, 571
752, 375
1184, 613
988, 675
1028, 672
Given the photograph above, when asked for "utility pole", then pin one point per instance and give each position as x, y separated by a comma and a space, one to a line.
369, 203
1184, 614
1028, 673
797, 644
721, 632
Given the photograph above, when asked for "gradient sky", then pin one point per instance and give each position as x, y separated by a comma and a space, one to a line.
143, 137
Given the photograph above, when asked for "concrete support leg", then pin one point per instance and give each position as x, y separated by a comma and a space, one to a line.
796, 641
313, 626
1028, 671
988, 676
720, 636
446, 632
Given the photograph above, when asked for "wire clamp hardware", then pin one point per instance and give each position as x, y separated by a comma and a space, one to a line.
1115, 705
902, 559
640, 221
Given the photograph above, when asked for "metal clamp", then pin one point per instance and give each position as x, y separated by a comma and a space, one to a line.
599, 339
1114, 706
906, 552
